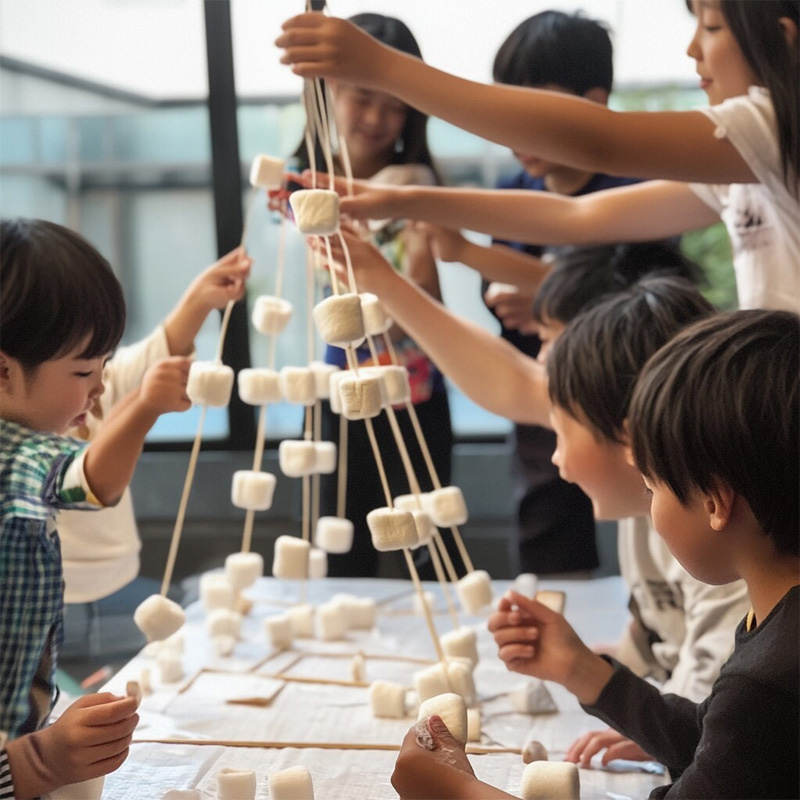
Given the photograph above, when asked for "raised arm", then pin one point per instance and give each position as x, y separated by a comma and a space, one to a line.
677, 145
490, 371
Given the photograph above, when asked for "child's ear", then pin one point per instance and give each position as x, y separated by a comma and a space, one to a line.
718, 503
5, 371
625, 438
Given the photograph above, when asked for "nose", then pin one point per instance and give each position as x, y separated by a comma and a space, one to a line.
98, 388
693, 50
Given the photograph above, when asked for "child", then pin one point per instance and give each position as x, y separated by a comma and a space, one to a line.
743, 152
63, 312
714, 429
100, 551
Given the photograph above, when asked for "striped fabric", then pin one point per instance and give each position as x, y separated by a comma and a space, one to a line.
6, 787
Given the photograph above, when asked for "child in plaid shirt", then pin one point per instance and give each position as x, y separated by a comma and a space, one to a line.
62, 313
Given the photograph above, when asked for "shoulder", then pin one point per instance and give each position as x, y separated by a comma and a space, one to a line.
405, 175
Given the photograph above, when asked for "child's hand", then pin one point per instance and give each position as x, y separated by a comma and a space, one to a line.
370, 268
164, 385
446, 244
221, 282
514, 308
536, 641
439, 772
317, 46
614, 744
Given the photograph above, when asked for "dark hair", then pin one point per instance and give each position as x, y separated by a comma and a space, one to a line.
55, 290
756, 28
593, 365
413, 143
582, 277
570, 51
721, 402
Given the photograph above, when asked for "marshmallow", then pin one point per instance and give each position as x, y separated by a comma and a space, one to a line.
398, 389
553, 600
317, 563
391, 529
322, 377
339, 320
551, 780
450, 707
333, 389
532, 698
447, 507
291, 784
302, 619
133, 689
473, 724
387, 699
243, 569
334, 535
534, 751
291, 558
461, 643
244, 603
252, 490
408, 502
324, 457
223, 644
209, 384
170, 666
271, 314
425, 528
475, 591
359, 612
525, 583
157, 617
297, 457
257, 387
357, 668
331, 622
376, 320
236, 784
427, 598
361, 398
182, 794
431, 681
316, 211
85, 790
216, 591
377, 373
144, 680
459, 674
298, 385
223, 623
278, 630
266, 172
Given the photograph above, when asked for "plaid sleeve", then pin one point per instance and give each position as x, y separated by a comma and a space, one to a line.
6, 786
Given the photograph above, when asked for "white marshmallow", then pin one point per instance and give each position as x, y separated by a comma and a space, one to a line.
216, 591
297, 457
526, 583
316, 211
475, 591
447, 507
450, 707
236, 784
391, 529
223, 644
361, 398
134, 689
339, 320
431, 681
278, 631
532, 697
257, 387
459, 674
271, 314
473, 724
317, 563
182, 794
359, 612
331, 622
298, 385
145, 681
158, 617
223, 623
322, 377
358, 668
555, 601
534, 751
377, 373
266, 172
551, 780
302, 619
408, 502
243, 603
243, 569
333, 389
291, 784
387, 699
398, 388
252, 490
376, 320
324, 458
170, 666
429, 600
85, 790
461, 643
209, 384
334, 535
425, 528
291, 558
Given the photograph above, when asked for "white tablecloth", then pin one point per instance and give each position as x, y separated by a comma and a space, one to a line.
196, 709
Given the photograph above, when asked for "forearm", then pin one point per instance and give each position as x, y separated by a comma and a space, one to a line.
485, 367
503, 264
182, 325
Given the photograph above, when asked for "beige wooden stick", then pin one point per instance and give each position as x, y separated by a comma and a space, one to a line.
274, 654
258, 455
448, 562
187, 488
281, 676
426, 611
341, 498
440, 576
315, 478
307, 484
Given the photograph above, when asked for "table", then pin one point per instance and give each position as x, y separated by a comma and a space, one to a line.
197, 732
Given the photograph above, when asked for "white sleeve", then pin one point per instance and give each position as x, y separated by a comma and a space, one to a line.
712, 614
